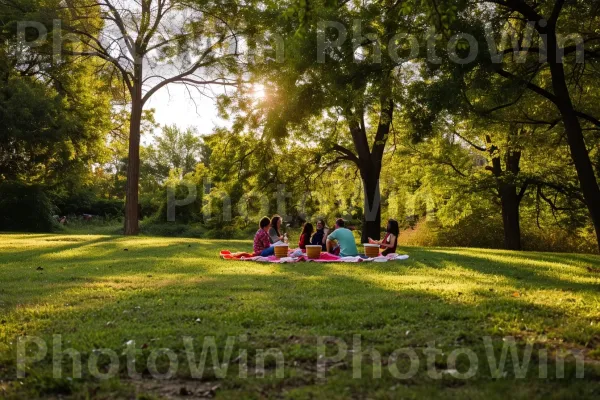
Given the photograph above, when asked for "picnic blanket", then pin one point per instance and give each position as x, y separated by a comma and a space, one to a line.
295, 256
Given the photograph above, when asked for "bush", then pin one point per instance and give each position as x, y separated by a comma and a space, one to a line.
421, 235
25, 208
86, 202
488, 233
555, 239
183, 214
226, 232
149, 205
106, 208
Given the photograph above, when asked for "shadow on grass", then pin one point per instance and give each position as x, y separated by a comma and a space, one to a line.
523, 270
52, 238
286, 306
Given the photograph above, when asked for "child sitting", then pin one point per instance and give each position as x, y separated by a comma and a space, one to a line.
262, 244
305, 236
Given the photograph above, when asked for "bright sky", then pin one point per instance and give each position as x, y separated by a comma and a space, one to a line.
173, 106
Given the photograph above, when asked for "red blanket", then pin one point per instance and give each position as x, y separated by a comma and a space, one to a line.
325, 257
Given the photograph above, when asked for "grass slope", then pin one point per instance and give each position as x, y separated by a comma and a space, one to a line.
105, 291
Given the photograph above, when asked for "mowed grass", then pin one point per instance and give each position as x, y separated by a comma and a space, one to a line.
103, 292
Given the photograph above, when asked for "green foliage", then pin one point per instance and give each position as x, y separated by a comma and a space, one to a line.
88, 202
172, 149
25, 208
191, 186
444, 162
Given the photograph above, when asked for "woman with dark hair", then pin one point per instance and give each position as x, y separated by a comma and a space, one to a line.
275, 233
320, 236
390, 241
307, 231
262, 244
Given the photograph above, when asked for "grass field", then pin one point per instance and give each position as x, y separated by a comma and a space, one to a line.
145, 294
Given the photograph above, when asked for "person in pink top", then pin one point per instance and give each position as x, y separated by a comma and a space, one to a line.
262, 243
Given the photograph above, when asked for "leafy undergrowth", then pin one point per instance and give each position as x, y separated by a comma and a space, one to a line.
145, 294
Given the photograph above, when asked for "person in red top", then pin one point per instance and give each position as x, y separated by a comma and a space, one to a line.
262, 244
307, 231
390, 241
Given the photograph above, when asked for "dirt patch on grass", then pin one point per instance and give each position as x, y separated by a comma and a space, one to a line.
175, 388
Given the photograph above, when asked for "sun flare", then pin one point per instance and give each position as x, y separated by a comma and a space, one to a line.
258, 92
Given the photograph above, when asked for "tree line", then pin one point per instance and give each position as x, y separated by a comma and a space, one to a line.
388, 122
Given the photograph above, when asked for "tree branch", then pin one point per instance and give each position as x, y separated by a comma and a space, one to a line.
349, 155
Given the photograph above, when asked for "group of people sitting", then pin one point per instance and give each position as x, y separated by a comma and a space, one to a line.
339, 241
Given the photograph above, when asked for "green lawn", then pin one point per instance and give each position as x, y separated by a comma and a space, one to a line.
96, 295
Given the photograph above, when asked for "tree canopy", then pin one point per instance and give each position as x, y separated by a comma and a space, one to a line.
471, 122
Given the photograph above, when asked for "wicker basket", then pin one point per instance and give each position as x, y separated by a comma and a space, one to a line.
371, 250
281, 250
313, 251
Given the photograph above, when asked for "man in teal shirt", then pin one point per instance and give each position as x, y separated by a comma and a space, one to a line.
345, 240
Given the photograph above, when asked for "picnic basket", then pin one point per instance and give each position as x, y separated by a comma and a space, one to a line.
281, 250
371, 250
313, 251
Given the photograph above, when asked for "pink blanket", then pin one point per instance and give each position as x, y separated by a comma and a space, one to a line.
325, 258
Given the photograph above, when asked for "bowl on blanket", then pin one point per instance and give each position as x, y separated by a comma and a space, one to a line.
281, 250
313, 251
371, 250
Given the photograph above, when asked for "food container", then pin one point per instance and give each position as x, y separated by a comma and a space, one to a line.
313, 251
281, 250
371, 250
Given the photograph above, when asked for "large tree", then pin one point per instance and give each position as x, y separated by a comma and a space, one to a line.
336, 70
55, 117
561, 71
149, 44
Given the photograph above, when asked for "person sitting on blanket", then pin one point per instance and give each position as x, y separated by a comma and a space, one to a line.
345, 240
274, 232
320, 236
307, 230
262, 242
390, 241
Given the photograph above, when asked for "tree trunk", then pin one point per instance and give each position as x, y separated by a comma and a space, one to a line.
507, 190
133, 164
510, 217
575, 139
371, 224
369, 164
